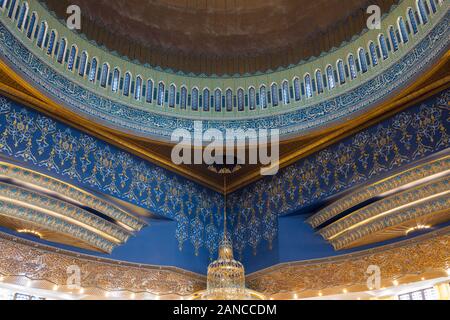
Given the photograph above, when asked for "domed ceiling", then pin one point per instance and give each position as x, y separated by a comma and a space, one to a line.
221, 36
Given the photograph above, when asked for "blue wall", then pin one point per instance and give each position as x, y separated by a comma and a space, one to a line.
32, 140
268, 215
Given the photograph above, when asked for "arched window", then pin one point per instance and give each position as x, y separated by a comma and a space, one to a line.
308, 86
373, 53
32, 25
183, 98
286, 98
403, 31
22, 14
127, 84
362, 60
330, 78
240, 98
383, 46
12, 9
93, 70
274, 94
72, 58
252, 98
412, 20
62, 50
83, 63
51, 42
263, 96
433, 6
352, 66
161, 94
42, 33
104, 75
229, 100
115, 80
393, 38
206, 99
138, 89
218, 100
172, 95
297, 90
195, 99
319, 81
341, 71
422, 11
149, 94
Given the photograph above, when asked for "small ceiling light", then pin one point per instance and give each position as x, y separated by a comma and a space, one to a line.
81, 291
30, 232
29, 283
55, 287
295, 296
395, 282
133, 295
423, 279
359, 298
345, 290
448, 272
320, 294
1, 278
418, 227
107, 294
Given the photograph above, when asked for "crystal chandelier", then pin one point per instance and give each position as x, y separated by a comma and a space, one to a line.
226, 276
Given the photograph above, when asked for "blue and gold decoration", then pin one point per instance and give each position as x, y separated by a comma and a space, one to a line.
372, 154
47, 146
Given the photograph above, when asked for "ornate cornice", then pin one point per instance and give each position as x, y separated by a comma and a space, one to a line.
410, 259
22, 258
388, 184
13, 193
39, 219
389, 205
12, 171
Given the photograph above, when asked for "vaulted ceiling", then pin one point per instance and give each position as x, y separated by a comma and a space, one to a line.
221, 36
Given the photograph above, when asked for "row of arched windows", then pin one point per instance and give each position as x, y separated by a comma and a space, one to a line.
203, 98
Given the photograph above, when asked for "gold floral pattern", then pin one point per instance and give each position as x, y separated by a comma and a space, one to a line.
39, 262
410, 257
379, 187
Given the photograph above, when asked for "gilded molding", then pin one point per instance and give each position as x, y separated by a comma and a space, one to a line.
379, 187
411, 257
381, 207
41, 180
394, 225
41, 219
39, 262
67, 210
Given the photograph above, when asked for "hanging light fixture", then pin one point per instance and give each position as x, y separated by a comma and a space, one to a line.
226, 276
